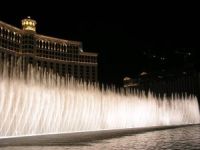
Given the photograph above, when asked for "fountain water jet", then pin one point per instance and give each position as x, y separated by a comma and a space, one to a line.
38, 102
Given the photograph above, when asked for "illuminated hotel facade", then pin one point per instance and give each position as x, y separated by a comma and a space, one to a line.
61, 56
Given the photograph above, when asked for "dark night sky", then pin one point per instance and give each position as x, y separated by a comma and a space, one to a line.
120, 37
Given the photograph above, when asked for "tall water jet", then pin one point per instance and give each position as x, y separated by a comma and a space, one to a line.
40, 102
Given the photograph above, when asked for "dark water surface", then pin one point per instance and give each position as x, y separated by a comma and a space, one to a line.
184, 138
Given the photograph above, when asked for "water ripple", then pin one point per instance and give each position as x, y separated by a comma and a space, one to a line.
184, 138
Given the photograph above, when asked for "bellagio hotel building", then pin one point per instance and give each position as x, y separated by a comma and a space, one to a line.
61, 56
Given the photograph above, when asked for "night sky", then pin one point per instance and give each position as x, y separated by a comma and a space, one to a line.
128, 42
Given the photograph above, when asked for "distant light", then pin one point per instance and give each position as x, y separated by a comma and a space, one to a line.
131, 85
127, 78
143, 73
162, 58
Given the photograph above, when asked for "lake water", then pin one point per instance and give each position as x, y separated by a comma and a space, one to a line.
179, 138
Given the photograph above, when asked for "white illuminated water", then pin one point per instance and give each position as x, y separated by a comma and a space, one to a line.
49, 104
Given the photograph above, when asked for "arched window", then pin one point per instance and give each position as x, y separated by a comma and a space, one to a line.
50, 46
5, 33
18, 37
1, 31
40, 44
37, 43
58, 47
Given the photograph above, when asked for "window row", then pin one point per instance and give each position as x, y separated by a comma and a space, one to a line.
9, 45
64, 56
57, 46
9, 35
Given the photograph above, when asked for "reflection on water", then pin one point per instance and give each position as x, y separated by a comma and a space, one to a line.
180, 138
